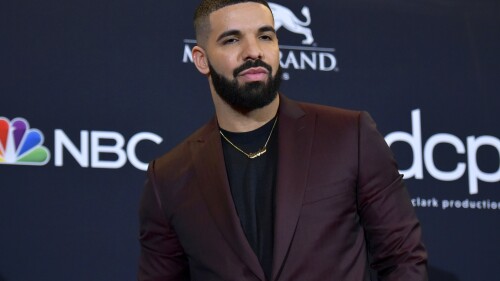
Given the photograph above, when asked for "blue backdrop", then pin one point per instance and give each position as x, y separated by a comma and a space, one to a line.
90, 91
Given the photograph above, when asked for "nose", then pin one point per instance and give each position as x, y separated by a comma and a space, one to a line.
252, 50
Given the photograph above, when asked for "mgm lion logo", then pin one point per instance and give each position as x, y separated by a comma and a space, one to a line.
286, 18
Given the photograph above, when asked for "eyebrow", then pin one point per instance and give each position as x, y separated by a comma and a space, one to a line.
267, 28
235, 32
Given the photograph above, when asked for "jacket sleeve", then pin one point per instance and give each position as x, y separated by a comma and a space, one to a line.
392, 230
162, 256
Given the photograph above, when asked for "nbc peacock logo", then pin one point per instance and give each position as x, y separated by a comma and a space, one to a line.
21, 145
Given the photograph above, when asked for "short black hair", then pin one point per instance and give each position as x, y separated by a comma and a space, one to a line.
206, 7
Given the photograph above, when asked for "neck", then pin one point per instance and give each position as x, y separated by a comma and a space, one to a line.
235, 121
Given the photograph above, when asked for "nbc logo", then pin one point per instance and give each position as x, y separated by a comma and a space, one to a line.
20, 145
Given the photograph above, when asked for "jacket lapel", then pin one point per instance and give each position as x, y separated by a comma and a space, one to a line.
296, 130
208, 160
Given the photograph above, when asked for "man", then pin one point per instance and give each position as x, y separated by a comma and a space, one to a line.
272, 189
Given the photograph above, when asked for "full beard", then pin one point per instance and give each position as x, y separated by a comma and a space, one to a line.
248, 96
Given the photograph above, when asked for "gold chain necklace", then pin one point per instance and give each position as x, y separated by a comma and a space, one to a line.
252, 155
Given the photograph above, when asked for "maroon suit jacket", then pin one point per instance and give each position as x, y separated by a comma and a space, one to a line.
341, 207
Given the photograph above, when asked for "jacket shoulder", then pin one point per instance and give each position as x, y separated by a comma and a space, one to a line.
329, 111
334, 119
178, 159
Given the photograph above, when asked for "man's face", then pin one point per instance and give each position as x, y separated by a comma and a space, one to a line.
243, 55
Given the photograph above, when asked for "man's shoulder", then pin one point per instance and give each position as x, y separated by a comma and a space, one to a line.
178, 156
323, 109
330, 121
328, 113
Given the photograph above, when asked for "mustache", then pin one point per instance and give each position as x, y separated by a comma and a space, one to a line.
251, 63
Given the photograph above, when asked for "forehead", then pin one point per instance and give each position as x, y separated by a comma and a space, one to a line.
242, 16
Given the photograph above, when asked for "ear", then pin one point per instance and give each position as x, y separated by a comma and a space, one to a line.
200, 59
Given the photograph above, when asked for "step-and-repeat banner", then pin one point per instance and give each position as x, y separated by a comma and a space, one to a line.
91, 91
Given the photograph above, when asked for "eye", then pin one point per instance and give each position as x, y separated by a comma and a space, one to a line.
229, 41
267, 37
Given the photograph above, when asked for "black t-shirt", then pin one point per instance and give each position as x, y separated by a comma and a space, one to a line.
252, 183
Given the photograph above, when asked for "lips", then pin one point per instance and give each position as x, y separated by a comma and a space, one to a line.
254, 74
254, 70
